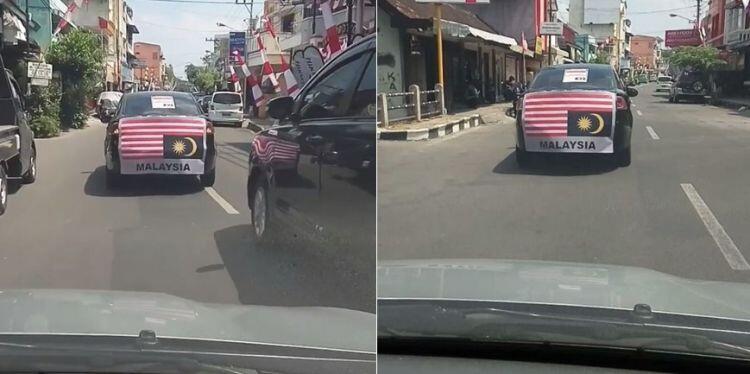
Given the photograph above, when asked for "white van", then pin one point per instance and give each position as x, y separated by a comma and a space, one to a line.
226, 107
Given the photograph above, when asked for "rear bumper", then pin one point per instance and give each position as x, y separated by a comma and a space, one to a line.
226, 117
112, 158
621, 141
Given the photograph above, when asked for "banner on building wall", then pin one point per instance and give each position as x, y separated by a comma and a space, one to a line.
305, 63
539, 47
236, 45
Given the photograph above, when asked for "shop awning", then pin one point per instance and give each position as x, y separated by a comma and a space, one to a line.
460, 30
58, 7
518, 49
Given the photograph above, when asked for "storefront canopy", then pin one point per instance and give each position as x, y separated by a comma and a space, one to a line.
460, 30
14, 30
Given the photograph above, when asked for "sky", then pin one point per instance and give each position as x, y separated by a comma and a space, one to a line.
651, 17
182, 28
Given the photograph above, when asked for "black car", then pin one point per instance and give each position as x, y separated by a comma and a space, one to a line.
17, 146
162, 133
575, 108
691, 84
312, 176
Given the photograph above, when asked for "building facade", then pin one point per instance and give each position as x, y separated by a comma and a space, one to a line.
606, 21
645, 51
150, 68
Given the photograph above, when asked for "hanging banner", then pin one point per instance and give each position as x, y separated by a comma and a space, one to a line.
236, 45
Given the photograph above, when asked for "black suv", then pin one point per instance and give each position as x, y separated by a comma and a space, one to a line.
689, 84
312, 176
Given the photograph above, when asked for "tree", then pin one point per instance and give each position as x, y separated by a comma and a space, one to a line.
207, 79
191, 71
601, 58
701, 58
79, 59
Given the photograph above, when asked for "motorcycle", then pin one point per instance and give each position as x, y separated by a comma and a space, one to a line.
472, 96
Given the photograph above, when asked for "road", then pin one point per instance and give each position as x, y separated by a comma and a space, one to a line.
162, 235
463, 196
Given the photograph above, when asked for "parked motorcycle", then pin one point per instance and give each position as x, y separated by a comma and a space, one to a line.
472, 96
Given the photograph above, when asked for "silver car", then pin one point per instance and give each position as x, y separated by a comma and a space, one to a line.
663, 83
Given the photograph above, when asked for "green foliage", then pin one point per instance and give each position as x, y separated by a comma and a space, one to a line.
45, 126
205, 78
43, 107
79, 59
601, 58
701, 58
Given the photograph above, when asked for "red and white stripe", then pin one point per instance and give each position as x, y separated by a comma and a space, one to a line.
266, 70
258, 98
143, 138
545, 114
234, 80
72, 7
269, 148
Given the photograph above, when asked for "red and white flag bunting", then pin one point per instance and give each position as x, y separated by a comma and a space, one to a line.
234, 79
68, 16
286, 71
258, 98
267, 69
333, 46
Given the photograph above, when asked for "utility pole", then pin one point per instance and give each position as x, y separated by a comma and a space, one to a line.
698, 15
549, 37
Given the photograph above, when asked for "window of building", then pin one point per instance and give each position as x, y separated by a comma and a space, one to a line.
287, 23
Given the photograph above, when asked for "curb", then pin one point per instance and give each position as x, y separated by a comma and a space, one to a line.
432, 132
728, 103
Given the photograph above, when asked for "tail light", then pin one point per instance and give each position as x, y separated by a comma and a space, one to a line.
621, 103
209, 128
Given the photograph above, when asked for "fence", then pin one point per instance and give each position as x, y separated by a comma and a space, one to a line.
415, 104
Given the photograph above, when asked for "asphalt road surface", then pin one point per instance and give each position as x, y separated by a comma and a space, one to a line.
682, 207
163, 235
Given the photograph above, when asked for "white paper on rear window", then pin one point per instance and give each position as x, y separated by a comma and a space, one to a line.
162, 102
576, 76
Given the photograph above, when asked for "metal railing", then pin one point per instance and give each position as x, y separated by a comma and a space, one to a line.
414, 104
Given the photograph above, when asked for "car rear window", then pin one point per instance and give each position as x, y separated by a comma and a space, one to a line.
143, 105
664, 79
227, 98
556, 79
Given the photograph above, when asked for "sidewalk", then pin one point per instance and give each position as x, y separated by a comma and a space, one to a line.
435, 127
734, 102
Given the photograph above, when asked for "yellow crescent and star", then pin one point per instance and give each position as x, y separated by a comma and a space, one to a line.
585, 123
179, 147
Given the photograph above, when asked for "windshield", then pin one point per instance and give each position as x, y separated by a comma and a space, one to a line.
227, 98
168, 104
567, 171
589, 78
128, 207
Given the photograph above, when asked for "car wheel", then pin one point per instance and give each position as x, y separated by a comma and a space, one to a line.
676, 99
260, 217
208, 179
238, 124
30, 175
623, 157
522, 158
3, 190
112, 180
671, 98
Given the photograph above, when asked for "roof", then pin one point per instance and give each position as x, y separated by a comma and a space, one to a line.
154, 93
413, 10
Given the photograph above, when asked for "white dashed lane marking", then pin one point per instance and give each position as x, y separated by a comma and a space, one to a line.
639, 112
726, 244
653, 133
220, 200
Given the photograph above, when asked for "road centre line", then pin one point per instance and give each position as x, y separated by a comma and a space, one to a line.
653, 133
730, 251
639, 112
220, 200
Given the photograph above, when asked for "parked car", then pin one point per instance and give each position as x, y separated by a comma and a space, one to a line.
112, 96
663, 83
17, 147
692, 84
312, 176
159, 132
226, 108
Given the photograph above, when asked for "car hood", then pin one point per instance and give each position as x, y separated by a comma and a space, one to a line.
61, 311
593, 285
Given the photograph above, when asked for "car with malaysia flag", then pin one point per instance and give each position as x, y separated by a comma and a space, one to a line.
575, 108
159, 133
